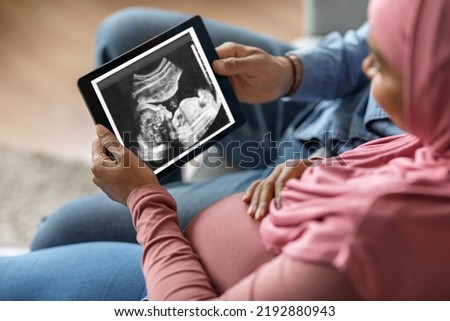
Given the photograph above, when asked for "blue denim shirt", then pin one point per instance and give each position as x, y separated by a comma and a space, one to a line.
346, 112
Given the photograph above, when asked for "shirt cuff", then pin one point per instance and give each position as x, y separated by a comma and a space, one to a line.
315, 80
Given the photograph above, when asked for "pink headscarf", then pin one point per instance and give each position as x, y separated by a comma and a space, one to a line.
399, 183
414, 36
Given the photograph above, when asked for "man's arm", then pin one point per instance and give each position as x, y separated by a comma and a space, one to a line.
333, 68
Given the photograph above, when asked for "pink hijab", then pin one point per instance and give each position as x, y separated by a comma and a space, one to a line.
414, 36
387, 210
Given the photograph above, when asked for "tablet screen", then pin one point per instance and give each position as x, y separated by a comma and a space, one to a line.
162, 99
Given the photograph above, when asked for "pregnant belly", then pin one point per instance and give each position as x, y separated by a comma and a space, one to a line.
227, 241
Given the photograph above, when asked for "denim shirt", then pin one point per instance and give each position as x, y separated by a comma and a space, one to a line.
346, 113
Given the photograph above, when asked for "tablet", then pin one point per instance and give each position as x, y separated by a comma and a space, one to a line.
162, 99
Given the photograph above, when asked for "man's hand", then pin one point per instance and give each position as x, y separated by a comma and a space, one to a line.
260, 193
255, 75
116, 170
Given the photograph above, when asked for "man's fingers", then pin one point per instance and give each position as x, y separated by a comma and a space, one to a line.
234, 66
231, 49
236, 59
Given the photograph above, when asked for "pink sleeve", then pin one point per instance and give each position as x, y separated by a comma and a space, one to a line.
392, 250
400, 251
171, 269
174, 272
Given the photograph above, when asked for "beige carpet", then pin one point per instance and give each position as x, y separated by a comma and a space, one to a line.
32, 185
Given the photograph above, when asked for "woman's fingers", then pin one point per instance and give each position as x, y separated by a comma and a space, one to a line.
261, 192
250, 191
265, 196
255, 200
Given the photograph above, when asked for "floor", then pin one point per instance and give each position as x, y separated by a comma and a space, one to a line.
47, 44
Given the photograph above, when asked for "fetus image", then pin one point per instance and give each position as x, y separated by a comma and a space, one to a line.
168, 121
155, 132
194, 116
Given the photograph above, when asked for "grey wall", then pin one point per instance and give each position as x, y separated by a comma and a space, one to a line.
323, 16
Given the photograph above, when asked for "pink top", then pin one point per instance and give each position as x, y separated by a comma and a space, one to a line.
382, 258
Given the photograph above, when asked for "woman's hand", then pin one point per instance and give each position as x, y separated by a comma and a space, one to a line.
262, 191
255, 75
116, 170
